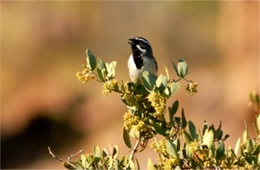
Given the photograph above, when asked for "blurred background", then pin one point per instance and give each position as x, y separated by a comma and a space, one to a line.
43, 46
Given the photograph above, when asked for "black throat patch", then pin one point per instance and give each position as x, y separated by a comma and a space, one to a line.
137, 57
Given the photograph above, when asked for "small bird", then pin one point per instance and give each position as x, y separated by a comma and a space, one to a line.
141, 59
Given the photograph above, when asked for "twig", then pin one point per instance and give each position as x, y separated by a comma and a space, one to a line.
186, 79
134, 150
55, 157
176, 80
75, 154
143, 145
137, 163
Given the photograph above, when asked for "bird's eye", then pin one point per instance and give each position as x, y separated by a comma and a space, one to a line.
142, 45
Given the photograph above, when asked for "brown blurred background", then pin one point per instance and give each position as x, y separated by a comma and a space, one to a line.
43, 46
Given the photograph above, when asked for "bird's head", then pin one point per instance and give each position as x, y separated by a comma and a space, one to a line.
140, 45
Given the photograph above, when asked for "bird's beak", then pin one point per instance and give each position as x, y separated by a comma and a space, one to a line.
131, 41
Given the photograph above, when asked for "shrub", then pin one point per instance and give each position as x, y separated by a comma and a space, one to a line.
146, 118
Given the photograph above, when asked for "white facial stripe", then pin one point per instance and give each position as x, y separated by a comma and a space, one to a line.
141, 39
139, 47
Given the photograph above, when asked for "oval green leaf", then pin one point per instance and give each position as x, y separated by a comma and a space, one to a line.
220, 150
208, 138
187, 137
126, 138
183, 119
182, 68
192, 130
237, 146
171, 149
148, 80
172, 88
159, 129
91, 60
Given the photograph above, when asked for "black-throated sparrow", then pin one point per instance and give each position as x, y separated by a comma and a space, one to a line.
141, 59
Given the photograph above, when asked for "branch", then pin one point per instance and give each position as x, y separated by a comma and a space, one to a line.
55, 157
75, 154
134, 150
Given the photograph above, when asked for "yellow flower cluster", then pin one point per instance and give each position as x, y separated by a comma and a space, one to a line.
126, 88
192, 87
194, 146
85, 75
159, 104
165, 161
134, 122
130, 120
170, 163
203, 155
131, 100
110, 85
159, 147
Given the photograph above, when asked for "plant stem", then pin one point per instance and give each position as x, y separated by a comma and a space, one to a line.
134, 150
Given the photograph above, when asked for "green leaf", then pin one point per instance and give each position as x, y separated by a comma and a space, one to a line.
187, 137
182, 68
225, 137
167, 73
150, 165
172, 88
148, 80
175, 68
192, 130
90, 160
171, 149
167, 91
208, 138
175, 107
91, 60
177, 144
111, 69
237, 146
173, 110
183, 119
161, 83
134, 132
178, 120
250, 144
83, 160
123, 161
159, 129
245, 137
104, 153
126, 138
100, 75
115, 152
101, 70
220, 150
97, 151
218, 133
257, 150
204, 128
100, 64
140, 89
